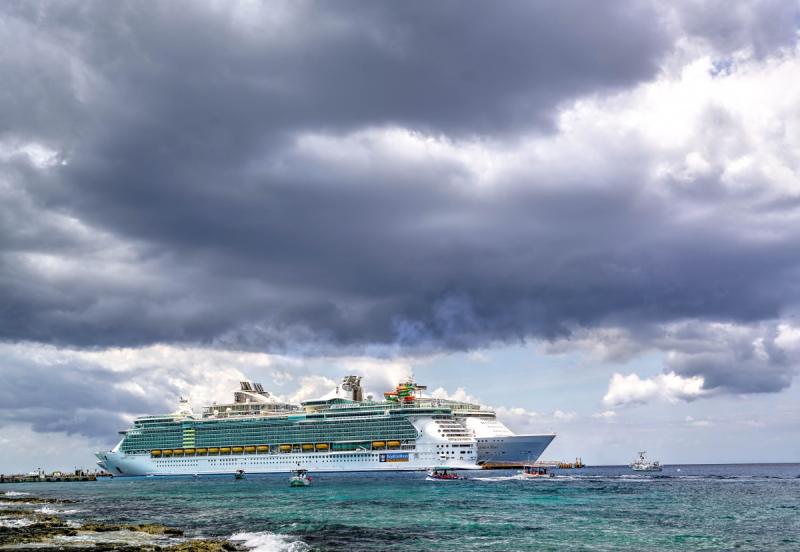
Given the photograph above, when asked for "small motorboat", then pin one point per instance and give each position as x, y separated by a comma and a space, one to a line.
300, 478
643, 464
443, 474
534, 472
238, 474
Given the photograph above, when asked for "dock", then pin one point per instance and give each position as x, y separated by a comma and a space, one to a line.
560, 464
56, 476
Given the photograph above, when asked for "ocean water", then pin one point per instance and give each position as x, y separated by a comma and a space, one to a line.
693, 507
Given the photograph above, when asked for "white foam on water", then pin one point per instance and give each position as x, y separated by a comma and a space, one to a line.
49, 510
15, 493
16, 522
503, 478
264, 541
130, 538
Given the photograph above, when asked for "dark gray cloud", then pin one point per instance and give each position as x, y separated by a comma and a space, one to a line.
762, 27
237, 178
71, 396
734, 359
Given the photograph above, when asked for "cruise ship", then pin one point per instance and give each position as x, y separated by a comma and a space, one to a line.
496, 443
258, 434
342, 431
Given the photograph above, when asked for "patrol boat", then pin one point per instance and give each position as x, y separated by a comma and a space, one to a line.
643, 464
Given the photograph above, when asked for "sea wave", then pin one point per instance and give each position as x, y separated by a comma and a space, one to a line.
15, 493
15, 523
264, 541
49, 510
498, 478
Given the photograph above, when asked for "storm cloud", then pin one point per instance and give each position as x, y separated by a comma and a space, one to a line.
384, 178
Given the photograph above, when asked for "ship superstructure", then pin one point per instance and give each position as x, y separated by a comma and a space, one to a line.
259, 434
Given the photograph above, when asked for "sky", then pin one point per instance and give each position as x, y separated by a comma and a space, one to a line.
583, 214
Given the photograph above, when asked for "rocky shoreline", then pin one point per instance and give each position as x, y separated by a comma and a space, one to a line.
24, 528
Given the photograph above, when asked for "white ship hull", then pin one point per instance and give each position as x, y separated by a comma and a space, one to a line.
514, 449
498, 444
120, 464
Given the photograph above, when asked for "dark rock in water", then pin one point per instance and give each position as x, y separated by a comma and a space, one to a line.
36, 500
149, 528
39, 531
46, 527
203, 546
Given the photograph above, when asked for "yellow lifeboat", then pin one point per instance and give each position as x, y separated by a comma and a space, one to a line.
322, 446
285, 448
236, 450
378, 444
166, 452
155, 453
262, 448
177, 452
213, 450
308, 446
393, 444
188, 451
250, 449
225, 450
201, 451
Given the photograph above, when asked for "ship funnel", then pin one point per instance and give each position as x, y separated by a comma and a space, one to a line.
353, 384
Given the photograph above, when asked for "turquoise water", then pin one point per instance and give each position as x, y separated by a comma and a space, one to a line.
725, 507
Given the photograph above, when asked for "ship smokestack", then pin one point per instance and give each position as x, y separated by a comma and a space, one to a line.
353, 384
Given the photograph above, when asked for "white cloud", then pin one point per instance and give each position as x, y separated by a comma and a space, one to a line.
313, 387
564, 416
605, 415
632, 389
38, 155
698, 423
521, 420
459, 395
380, 375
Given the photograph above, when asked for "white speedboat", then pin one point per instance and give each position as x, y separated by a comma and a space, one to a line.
643, 464
300, 478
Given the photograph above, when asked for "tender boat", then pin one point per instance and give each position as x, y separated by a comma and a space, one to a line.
238, 474
300, 478
643, 464
443, 473
534, 472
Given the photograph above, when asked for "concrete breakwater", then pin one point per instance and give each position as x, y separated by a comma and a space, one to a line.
56, 476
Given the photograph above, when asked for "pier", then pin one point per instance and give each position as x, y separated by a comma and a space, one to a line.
560, 464
40, 476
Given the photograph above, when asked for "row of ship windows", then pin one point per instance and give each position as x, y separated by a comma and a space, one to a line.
259, 424
150, 445
359, 457
156, 444
283, 434
311, 431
